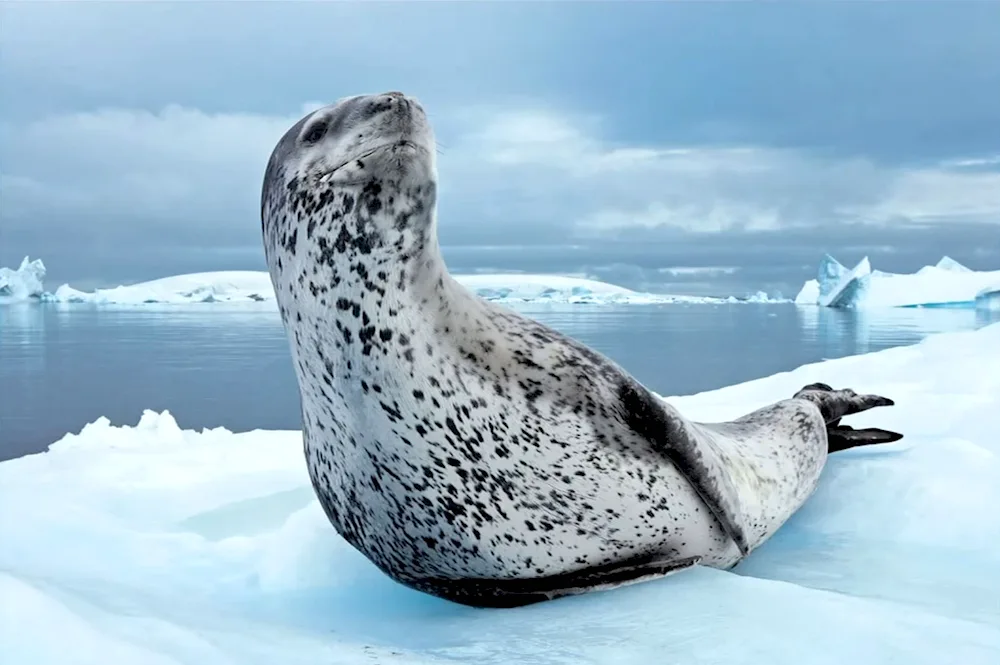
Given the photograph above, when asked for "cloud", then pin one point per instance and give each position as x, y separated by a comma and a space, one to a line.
133, 135
524, 177
179, 167
184, 167
699, 271
604, 187
989, 161
939, 196
831, 76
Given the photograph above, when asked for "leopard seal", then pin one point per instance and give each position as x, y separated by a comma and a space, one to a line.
471, 452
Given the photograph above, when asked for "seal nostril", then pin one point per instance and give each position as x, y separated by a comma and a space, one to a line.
377, 106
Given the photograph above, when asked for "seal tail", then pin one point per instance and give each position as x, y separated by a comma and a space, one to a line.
835, 404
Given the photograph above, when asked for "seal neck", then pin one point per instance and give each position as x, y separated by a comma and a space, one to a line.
380, 244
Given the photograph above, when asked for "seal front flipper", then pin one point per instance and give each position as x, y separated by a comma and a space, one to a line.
701, 465
507, 593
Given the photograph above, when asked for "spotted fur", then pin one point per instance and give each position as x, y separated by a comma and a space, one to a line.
465, 449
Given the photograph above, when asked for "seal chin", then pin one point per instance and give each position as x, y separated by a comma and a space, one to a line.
400, 147
420, 158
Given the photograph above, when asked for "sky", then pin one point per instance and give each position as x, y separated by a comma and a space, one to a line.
692, 148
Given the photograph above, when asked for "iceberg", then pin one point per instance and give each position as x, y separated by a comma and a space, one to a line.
255, 286
849, 288
989, 299
946, 284
223, 286
526, 288
758, 297
951, 265
154, 544
24, 282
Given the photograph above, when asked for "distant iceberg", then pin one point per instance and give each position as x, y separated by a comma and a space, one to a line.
255, 286
151, 544
562, 289
946, 284
227, 286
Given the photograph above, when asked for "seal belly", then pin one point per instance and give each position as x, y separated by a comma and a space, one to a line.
487, 490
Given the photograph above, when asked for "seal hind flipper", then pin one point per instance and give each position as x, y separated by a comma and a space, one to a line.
647, 416
518, 592
835, 404
845, 437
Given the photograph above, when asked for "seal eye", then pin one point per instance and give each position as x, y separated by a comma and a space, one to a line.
315, 132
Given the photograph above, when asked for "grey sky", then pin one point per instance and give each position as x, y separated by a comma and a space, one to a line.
575, 136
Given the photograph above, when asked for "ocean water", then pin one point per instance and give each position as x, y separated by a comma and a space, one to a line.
211, 365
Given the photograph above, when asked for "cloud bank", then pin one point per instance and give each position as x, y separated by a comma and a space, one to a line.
574, 135
195, 176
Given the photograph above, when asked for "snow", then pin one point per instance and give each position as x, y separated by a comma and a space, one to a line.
250, 286
151, 544
946, 284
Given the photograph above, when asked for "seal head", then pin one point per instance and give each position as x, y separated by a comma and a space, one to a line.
364, 167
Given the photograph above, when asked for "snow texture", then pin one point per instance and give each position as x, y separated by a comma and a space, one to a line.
249, 286
156, 545
946, 284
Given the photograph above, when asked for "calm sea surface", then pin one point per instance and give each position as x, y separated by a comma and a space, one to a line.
62, 366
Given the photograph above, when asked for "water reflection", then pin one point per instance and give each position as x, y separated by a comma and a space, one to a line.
22, 322
184, 315
64, 365
848, 332
23, 331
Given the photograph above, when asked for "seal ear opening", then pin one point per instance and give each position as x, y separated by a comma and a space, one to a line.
314, 131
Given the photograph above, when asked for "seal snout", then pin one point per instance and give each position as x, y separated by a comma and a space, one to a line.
390, 102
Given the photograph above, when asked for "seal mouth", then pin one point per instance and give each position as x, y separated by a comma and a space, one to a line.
325, 175
392, 145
